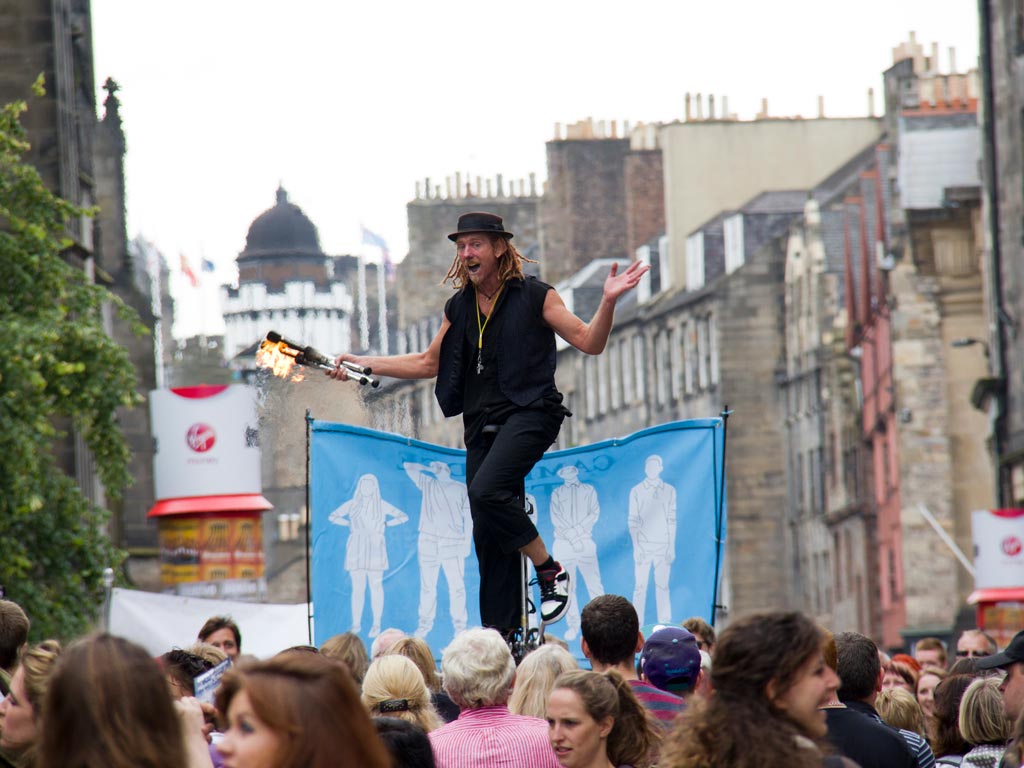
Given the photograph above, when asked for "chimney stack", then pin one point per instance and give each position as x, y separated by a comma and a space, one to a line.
871, 102
700, 107
687, 112
711, 106
952, 60
725, 107
821, 106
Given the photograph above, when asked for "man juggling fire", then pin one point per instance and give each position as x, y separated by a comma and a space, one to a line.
494, 359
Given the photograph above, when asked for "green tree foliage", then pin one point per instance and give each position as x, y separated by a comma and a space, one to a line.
58, 366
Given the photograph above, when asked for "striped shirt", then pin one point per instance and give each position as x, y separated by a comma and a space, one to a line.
662, 704
492, 737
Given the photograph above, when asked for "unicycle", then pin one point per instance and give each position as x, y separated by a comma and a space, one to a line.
525, 637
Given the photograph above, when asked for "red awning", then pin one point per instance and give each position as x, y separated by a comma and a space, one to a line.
197, 505
996, 595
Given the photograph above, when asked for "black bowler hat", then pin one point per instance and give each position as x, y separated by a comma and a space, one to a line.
1013, 654
480, 222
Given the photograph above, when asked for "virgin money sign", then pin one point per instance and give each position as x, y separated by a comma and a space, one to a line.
998, 547
206, 441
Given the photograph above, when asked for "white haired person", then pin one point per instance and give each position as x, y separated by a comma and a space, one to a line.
478, 673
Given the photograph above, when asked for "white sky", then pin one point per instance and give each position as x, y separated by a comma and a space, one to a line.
349, 103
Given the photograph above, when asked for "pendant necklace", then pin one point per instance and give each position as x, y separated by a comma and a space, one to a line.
482, 326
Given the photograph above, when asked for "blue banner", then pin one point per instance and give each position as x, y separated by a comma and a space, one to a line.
641, 516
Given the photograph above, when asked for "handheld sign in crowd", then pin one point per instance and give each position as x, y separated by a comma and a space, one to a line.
206, 683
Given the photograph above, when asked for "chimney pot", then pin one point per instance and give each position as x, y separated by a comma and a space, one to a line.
871, 102
711, 106
687, 113
821, 106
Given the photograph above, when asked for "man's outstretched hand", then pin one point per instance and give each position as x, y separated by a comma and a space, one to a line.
615, 284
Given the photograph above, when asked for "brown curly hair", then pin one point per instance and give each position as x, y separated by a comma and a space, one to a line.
739, 726
510, 264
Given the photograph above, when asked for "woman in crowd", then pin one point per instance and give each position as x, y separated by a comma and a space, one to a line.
765, 706
983, 723
898, 708
899, 674
108, 706
406, 742
595, 721
296, 710
418, 652
394, 687
348, 648
181, 669
535, 677
927, 681
948, 743
21, 709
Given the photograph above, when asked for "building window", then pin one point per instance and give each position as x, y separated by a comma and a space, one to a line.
689, 357
638, 365
602, 384
589, 388
712, 350
626, 358
695, 261
676, 353
661, 366
615, 375
732, 233
703, 379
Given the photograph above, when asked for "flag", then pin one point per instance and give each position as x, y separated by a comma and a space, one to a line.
207, 265
186, 270
372, 238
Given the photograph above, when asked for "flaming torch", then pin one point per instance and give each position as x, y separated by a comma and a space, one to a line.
282, 354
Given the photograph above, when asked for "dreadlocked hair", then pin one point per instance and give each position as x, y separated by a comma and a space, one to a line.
510, 265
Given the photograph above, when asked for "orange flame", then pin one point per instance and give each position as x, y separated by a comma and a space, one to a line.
279, 358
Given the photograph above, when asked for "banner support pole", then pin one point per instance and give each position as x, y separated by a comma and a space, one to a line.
725, 414
309, 530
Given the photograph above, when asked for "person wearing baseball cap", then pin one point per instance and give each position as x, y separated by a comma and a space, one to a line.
494, 359
1012, 688
670, 660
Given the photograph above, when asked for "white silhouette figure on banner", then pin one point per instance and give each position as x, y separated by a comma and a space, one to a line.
446, 532
574, 511
366, 553
652, 526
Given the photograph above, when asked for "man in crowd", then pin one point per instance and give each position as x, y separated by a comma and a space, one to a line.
478, 674
670, 661
703, 631
222, 632
930, 652
861, 673
1012, 661
14, 626
611, 640
975, 644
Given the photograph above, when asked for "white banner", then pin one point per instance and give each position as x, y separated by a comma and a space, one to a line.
162, 622
998, 547
207, 441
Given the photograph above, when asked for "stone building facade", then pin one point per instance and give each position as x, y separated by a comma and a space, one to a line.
81, 159
1001, 392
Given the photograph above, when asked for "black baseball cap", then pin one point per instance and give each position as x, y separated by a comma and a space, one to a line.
1012, 654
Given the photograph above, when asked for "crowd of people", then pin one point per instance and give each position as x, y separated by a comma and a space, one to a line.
774, 689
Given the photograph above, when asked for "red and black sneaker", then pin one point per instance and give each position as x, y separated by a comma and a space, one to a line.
554, 593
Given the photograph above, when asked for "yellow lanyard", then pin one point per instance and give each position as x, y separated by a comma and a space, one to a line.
479, 327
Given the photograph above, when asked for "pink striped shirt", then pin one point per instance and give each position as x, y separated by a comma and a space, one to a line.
492, 737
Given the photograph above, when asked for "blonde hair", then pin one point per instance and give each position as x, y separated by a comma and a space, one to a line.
899, 708
535, 678
418, 652
207, 652
348, 648
394, 687
510, 264
982, 720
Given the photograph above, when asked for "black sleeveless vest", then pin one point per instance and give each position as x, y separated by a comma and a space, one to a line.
525, 352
